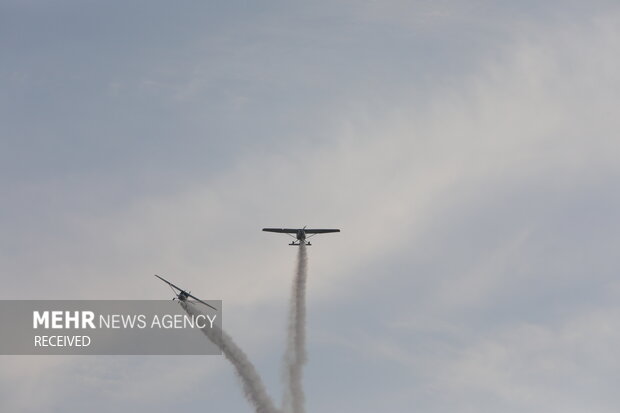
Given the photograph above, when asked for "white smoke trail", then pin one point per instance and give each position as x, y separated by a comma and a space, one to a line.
295, 356
253, 386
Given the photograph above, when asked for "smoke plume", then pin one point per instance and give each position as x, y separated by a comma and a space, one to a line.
295, 356
253, 386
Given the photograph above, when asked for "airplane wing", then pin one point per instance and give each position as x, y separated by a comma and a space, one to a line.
200, 301
320, 231
169, 283
282, 230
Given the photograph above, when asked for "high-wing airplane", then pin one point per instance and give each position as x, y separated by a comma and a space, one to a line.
300, 233
183, 295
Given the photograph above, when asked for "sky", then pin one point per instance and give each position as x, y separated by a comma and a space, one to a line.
467, 150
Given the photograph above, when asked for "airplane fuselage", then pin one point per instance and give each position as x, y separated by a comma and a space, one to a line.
301, 237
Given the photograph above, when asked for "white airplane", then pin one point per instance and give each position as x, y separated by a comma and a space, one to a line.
182, 295
300, 233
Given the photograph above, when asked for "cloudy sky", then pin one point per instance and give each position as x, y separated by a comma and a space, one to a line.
469, 152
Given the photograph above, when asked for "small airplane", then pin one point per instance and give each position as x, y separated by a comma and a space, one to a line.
182, 295
300, 233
